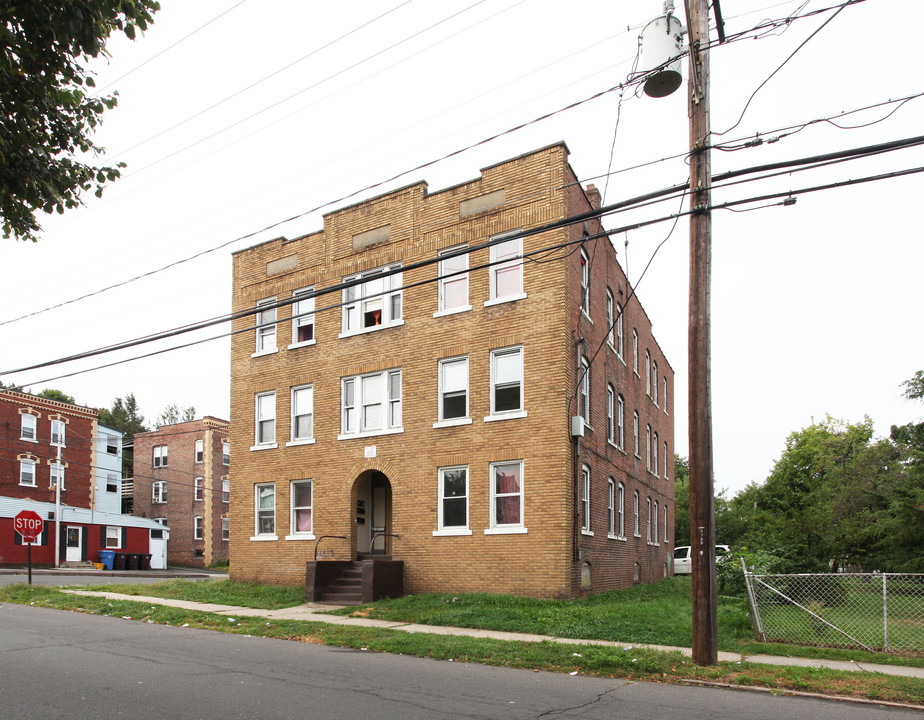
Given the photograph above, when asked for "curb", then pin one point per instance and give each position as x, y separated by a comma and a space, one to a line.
799, 693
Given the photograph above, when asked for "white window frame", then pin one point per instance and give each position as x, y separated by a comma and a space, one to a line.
648, 522
654, 384
200, 451
636, 510
112, 443
27, 468
610, 318
621, 421
160, 456
457, 268
611, 414
506, 257
648, 373
619, 333
198, 489
268, 512
447, 389
635, 351
498, 528
362, 298
112, 482
648, 447
29, 427
666, 456
295, 534
585, 501
303, 316
301, 405
665, 523
654, 530
226, 529
113, 539
621, 510
225, 490
159, 492
584, 390
655, 467
58, 431
225, 452
266, 327
160, 521
585, 283
610, 508
56, 474
664, 395
452, 530
518, 412
354, 418
264, 404
635, 432
198, 527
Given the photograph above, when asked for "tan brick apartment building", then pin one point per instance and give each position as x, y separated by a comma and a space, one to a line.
181, 480
426, 401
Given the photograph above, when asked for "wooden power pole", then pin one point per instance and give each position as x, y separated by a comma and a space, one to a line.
702, 517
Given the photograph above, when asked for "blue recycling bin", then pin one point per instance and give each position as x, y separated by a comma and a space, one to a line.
107, 557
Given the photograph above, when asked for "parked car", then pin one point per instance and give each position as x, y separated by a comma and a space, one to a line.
682, 565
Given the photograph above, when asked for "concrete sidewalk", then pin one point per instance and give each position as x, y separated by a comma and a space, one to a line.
312, 612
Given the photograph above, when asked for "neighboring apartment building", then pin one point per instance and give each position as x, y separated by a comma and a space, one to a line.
55, 453
181, 481
496, 424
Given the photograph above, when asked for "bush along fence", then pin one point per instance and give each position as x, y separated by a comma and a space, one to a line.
876, 611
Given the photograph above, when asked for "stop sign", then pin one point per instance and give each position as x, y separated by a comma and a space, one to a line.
28, 524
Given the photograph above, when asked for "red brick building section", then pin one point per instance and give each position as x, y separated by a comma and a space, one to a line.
181, 480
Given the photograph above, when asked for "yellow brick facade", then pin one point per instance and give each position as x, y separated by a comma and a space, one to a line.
407, 226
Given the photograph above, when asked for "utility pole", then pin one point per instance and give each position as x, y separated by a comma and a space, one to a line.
702, 517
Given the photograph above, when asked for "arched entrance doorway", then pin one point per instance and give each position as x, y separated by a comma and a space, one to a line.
372, 497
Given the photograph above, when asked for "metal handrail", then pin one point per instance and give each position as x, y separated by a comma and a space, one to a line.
338, 537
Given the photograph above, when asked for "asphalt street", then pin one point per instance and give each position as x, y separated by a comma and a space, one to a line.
57, 664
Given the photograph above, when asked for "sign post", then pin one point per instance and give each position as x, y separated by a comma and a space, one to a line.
29, 525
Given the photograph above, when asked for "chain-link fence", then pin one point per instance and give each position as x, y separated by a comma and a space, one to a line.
876, 611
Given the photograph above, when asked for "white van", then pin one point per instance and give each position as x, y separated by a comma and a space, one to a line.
682, 558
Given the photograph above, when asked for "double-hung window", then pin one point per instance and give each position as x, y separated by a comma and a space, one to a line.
664, 395
620, 422
197, 527
611, 507
200, 450
160, 456
654, 455
225, 528
112, 482
199, 488
584, 391
57, 432
56, 476
654, 382
453, 285
113, 536
507, 497
27, 472
112, 444
611, 414
29, 427
648, 523
303, 317
265, 422
610, 318
371, 404
666, 456
619, 347
453, 501
265, 511
635, 351
159, 491
621, 510
635, 433
266, 325
374, 302
225, 490
585, 283
665, 522
585, 499
648, 373
302, 413
453, 390
507, 383
654, 529
226, 453
300, 496
506, 271
635, 510
648, 447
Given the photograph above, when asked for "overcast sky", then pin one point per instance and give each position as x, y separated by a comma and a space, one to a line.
234, 116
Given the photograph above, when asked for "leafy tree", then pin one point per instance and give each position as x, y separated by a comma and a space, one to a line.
58, 395
126, 417
914, 387
47, 114
172, 414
